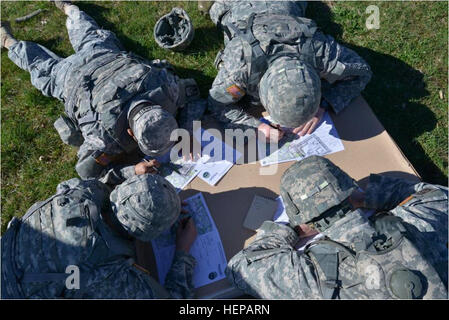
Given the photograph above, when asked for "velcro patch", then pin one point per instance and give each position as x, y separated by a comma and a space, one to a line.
235, 91
103, 159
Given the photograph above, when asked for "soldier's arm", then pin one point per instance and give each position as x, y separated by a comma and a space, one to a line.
385, 193
95, 163
116, 175
96, 159
270, 267
345, 74
229, 87
128, 282
179, 280
218, 9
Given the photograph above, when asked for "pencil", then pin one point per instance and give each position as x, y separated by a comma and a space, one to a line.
148, 161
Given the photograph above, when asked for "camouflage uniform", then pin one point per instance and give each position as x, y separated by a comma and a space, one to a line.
343, 73
98, 85
68, 229
272, 268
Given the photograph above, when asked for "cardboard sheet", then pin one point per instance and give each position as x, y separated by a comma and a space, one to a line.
368, 149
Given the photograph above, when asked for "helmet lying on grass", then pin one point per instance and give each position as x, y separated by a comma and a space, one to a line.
174, 31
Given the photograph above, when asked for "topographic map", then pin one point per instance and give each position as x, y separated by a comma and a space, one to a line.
324, 140
207, 249
179, 173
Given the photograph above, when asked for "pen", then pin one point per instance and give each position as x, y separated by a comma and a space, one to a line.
174, 168
269, 123
154, 168
278, 127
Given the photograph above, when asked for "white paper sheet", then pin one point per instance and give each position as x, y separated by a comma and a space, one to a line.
210, 167
214, 171
187, 172
179, 172
215, 166
324, 140
207, 248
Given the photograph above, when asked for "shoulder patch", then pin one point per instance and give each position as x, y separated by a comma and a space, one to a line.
235, 91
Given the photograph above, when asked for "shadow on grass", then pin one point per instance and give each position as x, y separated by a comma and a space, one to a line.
323, 16
392, 94
206, 39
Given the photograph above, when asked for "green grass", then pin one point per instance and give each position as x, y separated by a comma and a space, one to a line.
408, 55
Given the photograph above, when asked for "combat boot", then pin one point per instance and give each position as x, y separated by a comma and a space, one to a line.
6, 37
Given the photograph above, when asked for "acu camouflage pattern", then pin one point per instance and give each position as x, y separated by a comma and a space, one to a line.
152, 127
146, 205
311, 187
375, 257
290, 92
343, 73
290, 88
390, 265
424, 214
174, 31
98, 85
65, 230
237, 12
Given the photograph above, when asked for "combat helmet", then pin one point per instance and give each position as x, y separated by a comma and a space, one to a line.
152, 127
290, 90
174, 31
316, 191
145, 206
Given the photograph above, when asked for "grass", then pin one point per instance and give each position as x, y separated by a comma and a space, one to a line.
408, 55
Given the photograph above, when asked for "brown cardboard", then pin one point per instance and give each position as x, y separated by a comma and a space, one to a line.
368, 149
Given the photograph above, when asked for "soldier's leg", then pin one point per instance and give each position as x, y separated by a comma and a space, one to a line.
84, 32
37, 60
6, 37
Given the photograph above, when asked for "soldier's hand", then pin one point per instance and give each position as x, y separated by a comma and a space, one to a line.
192, 156
303, 231
309, 127
185, 235
270, 133
147, 167
357, 199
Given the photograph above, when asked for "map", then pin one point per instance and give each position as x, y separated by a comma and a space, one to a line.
210, 167
198, 212
324, 140
179, 173
207, 248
